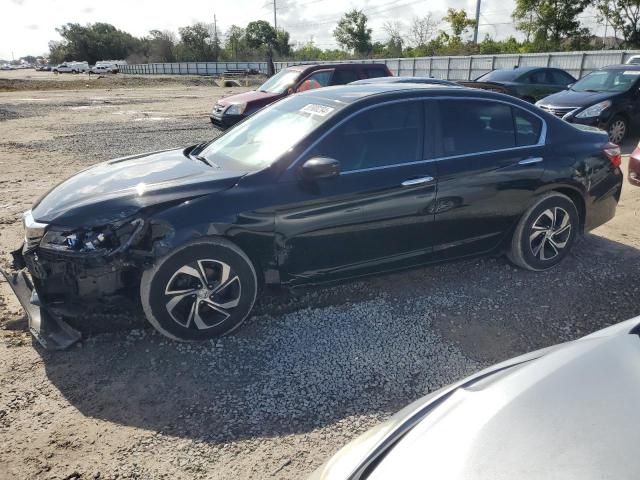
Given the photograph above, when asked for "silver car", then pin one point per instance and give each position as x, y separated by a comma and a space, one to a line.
571, 411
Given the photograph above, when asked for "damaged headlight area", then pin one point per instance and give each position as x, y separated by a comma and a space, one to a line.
112, 238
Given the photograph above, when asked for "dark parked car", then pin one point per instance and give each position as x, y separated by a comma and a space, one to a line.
319, 187
424, 80
569, 411
298, 78
528, 83
608, 98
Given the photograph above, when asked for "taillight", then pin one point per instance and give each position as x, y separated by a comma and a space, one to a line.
613, 153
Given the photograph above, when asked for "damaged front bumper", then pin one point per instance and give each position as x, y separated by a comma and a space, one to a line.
50, 331
68, 292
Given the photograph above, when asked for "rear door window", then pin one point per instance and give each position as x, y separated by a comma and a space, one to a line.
539, 78
560, 78
474, 126
344, 76
382, 136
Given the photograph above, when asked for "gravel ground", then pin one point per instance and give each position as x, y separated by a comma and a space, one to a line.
307, 373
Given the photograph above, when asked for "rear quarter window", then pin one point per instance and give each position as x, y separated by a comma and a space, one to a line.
375, 72
528, 128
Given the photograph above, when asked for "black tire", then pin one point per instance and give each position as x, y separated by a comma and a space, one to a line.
170, 289
541, 239
618, 128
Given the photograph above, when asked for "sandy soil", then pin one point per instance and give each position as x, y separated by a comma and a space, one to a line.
308, 372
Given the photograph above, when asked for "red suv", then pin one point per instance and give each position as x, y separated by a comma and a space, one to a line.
298, 78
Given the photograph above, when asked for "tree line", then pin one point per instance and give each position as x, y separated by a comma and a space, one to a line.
547, 25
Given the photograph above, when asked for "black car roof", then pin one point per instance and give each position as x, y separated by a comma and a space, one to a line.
348, 94
524, 69
404, 79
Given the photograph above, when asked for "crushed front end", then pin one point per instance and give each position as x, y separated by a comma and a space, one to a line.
66, 276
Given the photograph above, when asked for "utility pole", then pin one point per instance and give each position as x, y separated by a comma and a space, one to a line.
475, 28
275, 21
215, 37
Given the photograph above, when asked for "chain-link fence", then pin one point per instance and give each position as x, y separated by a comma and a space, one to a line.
448, 68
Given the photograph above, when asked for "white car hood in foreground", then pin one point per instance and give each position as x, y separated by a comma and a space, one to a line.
573, 413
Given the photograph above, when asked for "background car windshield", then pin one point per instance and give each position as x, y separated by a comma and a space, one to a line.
498, 75
280, 81
264, 137
607, 81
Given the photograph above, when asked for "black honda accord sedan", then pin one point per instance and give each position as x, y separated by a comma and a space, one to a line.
319, 187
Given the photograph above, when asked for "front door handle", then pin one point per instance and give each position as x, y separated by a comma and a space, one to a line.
530, 160
417, 181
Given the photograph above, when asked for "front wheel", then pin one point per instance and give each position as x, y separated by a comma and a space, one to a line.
545, 233
201, 291
617, 129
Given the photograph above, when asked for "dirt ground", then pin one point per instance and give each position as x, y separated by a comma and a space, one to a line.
307, 373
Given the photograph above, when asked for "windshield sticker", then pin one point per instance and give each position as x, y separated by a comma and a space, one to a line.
315, 109
631, 72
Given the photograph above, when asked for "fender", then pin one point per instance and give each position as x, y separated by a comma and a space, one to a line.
252, 230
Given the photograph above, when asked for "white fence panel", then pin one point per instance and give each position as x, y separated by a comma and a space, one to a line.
448, 68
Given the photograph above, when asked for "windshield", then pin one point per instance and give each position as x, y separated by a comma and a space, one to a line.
607, 81
499, 75
280, 81
265, 136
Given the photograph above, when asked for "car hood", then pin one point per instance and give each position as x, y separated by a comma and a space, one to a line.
254, 96
571, 98
569, 411
119, 188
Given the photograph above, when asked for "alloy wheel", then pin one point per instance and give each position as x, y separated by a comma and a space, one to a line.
202, 294
550, 233
617, 131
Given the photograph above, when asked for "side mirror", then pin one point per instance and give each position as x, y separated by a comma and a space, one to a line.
290, 90
320, 167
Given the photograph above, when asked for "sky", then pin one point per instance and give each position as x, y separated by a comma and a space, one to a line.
28, 25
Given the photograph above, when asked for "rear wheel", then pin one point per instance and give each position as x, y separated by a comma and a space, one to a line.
545, 233
201, 291
617, 129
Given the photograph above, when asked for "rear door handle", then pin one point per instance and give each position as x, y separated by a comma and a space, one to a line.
416, 181
530, 160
